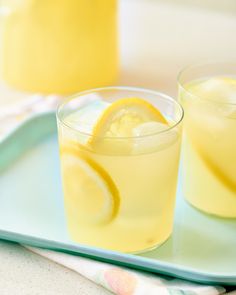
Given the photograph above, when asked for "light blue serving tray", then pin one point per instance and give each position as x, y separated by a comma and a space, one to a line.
202, 248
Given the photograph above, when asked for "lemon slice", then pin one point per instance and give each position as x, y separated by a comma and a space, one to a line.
89, 187
123, 115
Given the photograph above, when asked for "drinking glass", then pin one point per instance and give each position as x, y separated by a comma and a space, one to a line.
208, 95
119, 191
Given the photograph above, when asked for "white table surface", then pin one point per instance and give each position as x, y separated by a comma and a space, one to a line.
157, 40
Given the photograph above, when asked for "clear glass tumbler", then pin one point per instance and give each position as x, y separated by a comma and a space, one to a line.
208, 95
119, 191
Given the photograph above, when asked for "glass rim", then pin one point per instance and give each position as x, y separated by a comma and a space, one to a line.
157, 93
199, 64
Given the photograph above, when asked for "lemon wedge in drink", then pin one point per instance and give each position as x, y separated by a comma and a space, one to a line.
88, 185
122, 116
114, 131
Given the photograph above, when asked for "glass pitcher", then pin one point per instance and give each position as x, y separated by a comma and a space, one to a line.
52, 46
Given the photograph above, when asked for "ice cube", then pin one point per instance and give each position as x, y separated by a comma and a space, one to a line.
152, 136
86, 117
218, 89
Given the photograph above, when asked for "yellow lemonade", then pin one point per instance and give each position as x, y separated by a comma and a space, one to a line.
64, 46
120, 180
209, 144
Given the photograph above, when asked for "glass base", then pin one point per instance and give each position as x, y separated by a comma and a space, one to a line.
208, 212
139, 251
149, 249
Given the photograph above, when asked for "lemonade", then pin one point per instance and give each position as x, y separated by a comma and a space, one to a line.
119, 153
58, 46
209, 143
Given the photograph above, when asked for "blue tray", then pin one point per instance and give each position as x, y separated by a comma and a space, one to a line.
202, 248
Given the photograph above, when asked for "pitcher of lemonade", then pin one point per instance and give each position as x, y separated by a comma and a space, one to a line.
51, 46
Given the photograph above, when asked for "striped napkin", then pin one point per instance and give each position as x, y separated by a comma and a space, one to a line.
119, 280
